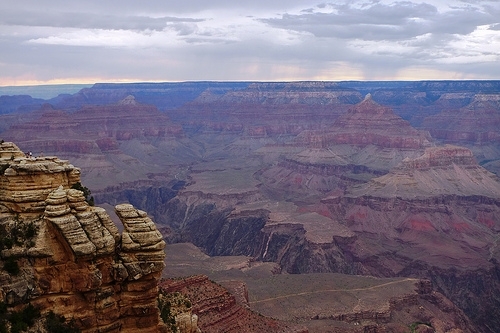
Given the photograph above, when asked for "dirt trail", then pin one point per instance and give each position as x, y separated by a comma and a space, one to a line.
331, 290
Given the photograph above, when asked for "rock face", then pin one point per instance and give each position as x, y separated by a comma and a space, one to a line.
70, 256
219, 311
368, 123
108, 142
269, 109
476, 123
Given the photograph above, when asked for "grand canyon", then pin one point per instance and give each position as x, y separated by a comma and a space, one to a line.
254, 206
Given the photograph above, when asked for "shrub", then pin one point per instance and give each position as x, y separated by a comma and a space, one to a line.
21, 233
86, 192
55, 323
10, 265
20, 320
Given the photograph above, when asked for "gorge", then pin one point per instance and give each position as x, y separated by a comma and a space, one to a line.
302, 179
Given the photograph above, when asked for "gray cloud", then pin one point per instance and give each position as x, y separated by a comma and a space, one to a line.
397, 21
259, 40
88, 20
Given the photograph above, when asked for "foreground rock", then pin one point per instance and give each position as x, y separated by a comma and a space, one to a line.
219, 311
62, 255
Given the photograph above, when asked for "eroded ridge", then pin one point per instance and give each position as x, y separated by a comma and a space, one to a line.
70, 256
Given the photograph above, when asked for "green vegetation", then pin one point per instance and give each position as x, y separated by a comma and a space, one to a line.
55, 323
170, 305
18, 233
166, 314
19, 321
86, 192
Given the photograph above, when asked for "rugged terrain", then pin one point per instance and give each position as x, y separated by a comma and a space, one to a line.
60, 254
325, 302
308, 177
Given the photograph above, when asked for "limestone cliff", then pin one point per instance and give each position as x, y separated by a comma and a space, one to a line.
62, 255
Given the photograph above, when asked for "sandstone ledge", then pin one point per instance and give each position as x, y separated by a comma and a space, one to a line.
71, 257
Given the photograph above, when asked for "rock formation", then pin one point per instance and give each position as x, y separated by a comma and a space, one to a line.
438, 216
368, 123
219, 311
448, 170
476, 123
269, 109
69, 257
107, 141
363, 143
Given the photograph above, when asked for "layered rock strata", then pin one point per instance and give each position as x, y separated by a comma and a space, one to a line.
70, 256
439, 217
268, 109
368, 123
126, 141
475, 123
219, 311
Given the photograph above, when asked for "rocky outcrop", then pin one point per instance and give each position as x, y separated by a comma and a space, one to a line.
448, 170
368, 123
218, 311
62, 255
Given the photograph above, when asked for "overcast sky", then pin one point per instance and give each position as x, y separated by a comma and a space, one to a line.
62, 41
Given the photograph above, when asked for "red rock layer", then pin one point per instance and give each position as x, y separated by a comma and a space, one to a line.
93, 128
367, 123
477, 122
218, 310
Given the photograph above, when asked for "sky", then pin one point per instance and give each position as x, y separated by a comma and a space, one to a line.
66, 41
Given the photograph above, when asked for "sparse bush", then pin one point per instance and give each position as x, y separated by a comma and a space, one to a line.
86, 192
55, 323
10, 265
19, 234
20, 321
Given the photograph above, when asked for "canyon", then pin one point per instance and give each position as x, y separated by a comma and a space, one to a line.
393, 180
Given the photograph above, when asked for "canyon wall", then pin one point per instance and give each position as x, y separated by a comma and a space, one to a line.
62, 255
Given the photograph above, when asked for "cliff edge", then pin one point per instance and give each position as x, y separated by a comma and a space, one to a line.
60, 254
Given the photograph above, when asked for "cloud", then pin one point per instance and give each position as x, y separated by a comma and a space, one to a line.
379, 21
88, 20
253, 40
